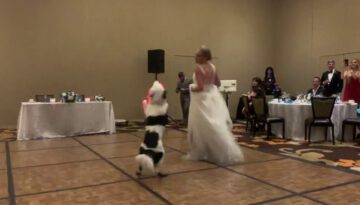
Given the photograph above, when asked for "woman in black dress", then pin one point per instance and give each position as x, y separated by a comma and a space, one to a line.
269, 81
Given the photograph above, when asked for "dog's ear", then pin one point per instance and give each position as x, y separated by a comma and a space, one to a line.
164, 95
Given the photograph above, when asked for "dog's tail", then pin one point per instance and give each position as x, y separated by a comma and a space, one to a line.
146, 163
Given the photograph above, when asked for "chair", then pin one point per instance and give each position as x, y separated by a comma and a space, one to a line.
269, 98
43, 98
322, 109
247, 114
350, 121
259, 104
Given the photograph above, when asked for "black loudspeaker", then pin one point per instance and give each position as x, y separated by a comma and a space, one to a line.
156, 61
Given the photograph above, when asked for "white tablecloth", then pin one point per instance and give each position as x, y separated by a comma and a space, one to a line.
296, 114
50, 120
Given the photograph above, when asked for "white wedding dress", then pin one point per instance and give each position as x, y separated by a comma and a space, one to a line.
209, 128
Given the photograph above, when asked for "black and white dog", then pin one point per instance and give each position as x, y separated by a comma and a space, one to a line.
152, 151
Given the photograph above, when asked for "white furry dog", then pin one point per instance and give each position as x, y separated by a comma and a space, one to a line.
152, 151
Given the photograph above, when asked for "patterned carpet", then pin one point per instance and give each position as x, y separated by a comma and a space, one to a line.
344, 156
7, 135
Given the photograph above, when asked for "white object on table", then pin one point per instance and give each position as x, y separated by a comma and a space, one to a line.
50, 120
295, 115
227, 86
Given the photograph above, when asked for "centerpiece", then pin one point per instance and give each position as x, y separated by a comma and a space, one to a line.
68, 97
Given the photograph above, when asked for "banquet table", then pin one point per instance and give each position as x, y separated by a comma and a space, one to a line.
295, 115
51, 120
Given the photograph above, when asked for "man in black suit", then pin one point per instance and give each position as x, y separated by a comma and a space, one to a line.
316, 89
331, 80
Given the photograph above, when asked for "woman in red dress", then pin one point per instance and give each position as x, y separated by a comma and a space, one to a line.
352, 79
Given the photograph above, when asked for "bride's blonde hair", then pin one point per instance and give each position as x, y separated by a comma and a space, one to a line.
206, 52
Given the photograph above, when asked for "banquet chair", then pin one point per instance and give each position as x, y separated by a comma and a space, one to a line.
350, 121
269, 98
247, 113
43, 98
322, 109
261, 116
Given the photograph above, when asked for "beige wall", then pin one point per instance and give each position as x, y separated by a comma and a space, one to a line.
307, 32
100, 46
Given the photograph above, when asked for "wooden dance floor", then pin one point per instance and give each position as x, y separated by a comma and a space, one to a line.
100, 169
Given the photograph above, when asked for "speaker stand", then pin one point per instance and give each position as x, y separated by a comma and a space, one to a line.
227, 98
156, 74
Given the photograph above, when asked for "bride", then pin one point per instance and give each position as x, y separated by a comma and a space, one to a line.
209, 126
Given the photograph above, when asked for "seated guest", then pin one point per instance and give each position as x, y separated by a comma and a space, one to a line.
257, 90
331, 80
316, 89
239, 110
269, 81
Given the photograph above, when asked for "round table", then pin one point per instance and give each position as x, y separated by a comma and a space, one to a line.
295, 115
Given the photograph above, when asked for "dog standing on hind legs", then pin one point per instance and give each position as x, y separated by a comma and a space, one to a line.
151, 153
